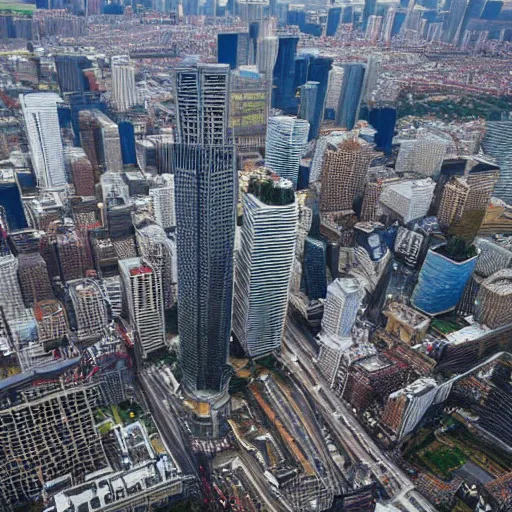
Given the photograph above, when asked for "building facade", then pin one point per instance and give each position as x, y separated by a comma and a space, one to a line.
263, 270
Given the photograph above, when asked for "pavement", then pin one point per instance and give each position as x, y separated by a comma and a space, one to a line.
297, 354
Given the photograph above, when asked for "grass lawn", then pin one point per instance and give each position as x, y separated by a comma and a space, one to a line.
443, 459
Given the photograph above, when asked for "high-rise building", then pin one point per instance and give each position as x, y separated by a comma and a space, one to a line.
453, 20
70, 72
308, 102
160, 251
44, 140
351, 95
283, 93
264, 265
202, 102
124, 91
205, 198
373, 28
345, 167
497, 144
161, 192
100, 140
249, 108
423, 155
333, 21
90, 308
342, 304
383, 119
267, 56
315, 277
34, 280
233, 49
142, 292
81, 171
286, 141
333, 91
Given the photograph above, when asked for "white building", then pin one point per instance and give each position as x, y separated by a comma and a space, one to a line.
143, 295
342, 304
44, 140
263, 270
162, 200
286, 140
408, 200
124, 91
423, 155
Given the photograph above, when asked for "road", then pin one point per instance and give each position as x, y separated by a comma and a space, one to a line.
297, 356
166, 417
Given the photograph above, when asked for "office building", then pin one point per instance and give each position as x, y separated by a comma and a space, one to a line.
314, 274
373, 28
350, 96
44, 140
344, 171
161, 192
308, 103
497, 144
51, 320
202, 104
383, 119
205, 199
100, 141
70, 72
283, 92
264, 265
333, 91
286, 140
81, 171
342, 303
233, 49
142, 293
423, 155
17, 317
73, 252
407, 200
267, 56
160, 252
90, 309
494, 300
34, 279
333, 21
124, 91
431, 295
249, 108
453, 21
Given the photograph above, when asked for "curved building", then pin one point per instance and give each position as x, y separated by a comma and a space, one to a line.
263, 268
286, 139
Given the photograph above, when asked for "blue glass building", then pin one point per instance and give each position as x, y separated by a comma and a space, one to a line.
127, 140
314, 274
384, 121
350, 97
333, 21
283, 93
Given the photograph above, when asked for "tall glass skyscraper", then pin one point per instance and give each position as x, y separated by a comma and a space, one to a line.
283, 94
350, 97
43, 134
205, 186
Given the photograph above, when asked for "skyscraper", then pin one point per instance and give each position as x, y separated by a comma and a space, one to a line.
350, 97
124, 92
162, 196
286, 140
44, 140
283, 94
497, 144
205, 198
264, 265
202, 103
344, 172
333, 20
70, 72
143, 295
